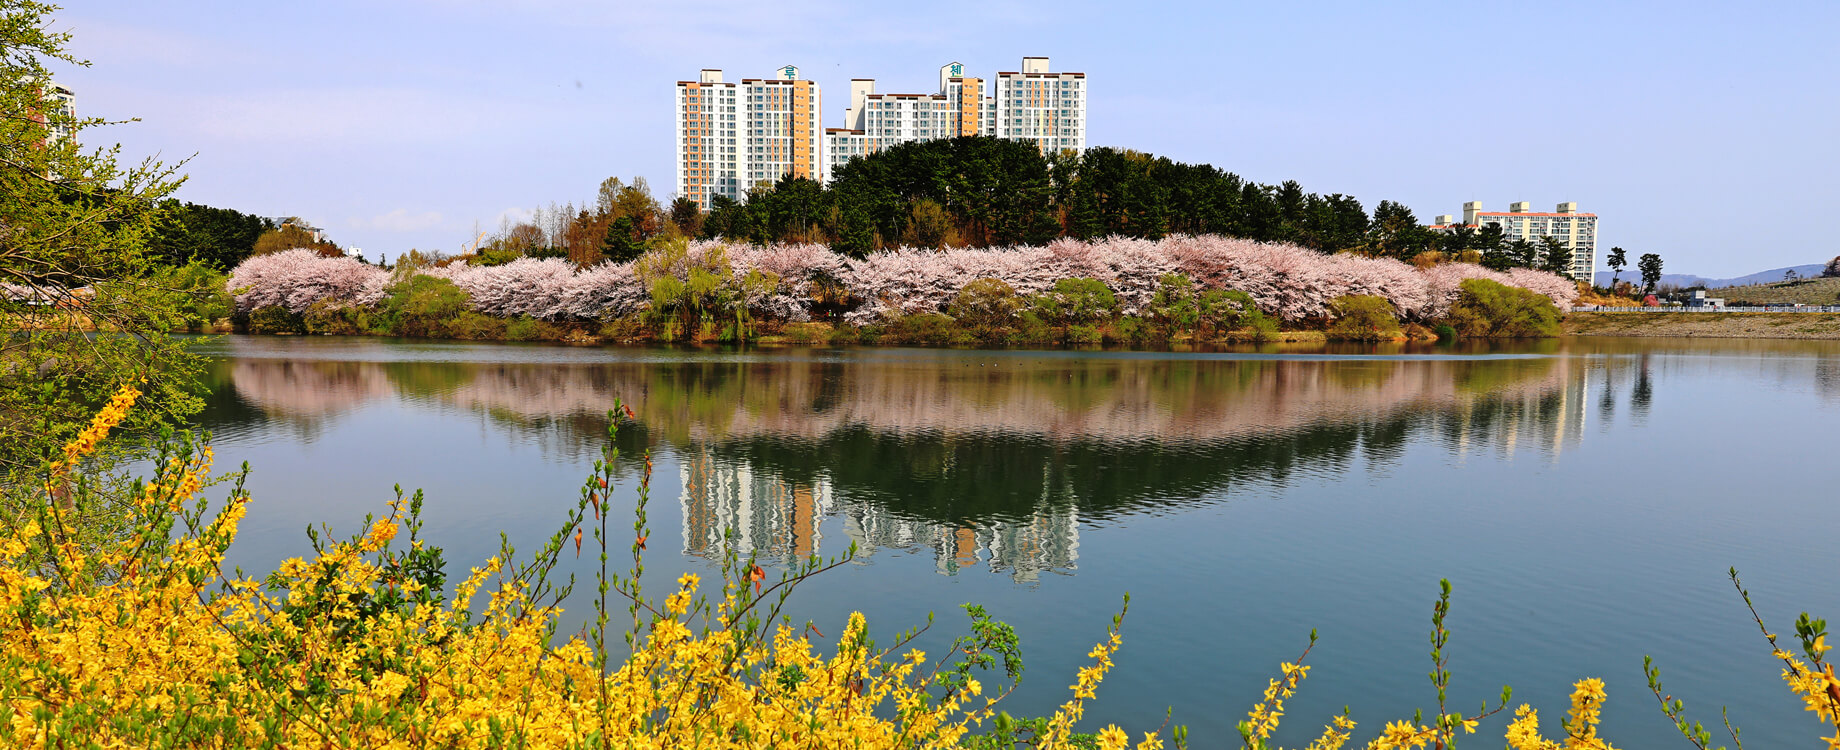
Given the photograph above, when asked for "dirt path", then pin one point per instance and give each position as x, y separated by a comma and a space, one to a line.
1706, 325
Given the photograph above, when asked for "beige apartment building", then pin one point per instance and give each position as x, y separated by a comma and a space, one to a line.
732, 136
1577, 231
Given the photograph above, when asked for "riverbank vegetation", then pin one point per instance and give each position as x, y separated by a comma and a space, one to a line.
1115, 290
1723, 325
141, 637
1818, 290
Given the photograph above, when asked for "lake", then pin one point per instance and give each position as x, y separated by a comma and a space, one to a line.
1585, 497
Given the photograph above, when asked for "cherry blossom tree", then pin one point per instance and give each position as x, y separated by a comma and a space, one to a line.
1285, 280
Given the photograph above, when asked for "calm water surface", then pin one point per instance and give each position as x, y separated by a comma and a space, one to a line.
1584, 497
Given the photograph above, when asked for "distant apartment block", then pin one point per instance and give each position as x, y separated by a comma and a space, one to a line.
1033, 104
1574, 230
58, 114
65, 104
733, 136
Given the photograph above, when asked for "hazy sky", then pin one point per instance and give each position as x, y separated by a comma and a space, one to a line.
1702, 131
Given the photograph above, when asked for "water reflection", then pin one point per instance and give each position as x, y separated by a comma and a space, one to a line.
1243, 498
985, 459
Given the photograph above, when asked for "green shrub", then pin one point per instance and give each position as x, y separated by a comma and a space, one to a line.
696, 295
1074, 302
1084, 335
806, 333
1030, 330
931, 329
987, 307
1445, 332
1488, 309
493, 257
201, 298
423, 306
622, 328
1261, 328
473, 326
1129, 330
331, 318
1174, 310
275, 319
523, 328
1222, 310
1363, 317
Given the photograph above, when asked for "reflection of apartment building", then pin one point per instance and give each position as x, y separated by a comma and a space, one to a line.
1574, 230
1033, 104
733, 136
1546, 414
1048, 540
782, 520
770, 517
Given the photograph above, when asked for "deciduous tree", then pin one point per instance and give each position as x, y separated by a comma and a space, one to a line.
74, 226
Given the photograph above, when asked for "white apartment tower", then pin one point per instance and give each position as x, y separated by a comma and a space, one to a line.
731, 137
1575, 230
1047, 109
65, 103
57, 112
1036, 105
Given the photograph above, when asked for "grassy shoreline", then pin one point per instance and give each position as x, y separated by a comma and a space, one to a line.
1724, 325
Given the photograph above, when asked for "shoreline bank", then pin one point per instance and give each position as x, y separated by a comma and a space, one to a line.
1722, 325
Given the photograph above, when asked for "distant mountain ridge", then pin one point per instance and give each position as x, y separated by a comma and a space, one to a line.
1685, 279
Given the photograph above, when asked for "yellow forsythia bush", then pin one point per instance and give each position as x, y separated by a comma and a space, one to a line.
150, 643
146, 641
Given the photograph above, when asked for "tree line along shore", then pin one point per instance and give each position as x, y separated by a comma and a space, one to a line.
1115, 290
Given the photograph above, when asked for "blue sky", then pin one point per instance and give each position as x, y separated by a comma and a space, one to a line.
1705, 132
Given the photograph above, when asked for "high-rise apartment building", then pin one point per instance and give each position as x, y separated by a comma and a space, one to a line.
1574, 230
64, 103
733, 136
59, 113
1036, 105
1047, 109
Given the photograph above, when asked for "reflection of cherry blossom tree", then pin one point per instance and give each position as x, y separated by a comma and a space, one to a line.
1286, 280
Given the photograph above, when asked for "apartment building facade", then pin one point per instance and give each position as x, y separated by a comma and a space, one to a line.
731, 136
1036, 105
1033, 104
58, 113
64, 103
1576, 231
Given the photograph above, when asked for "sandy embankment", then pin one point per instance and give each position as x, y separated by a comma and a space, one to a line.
1706, 325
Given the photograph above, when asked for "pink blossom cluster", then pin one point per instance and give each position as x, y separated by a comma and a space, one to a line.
796, 265
547, 288
1286, 280
295, 279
